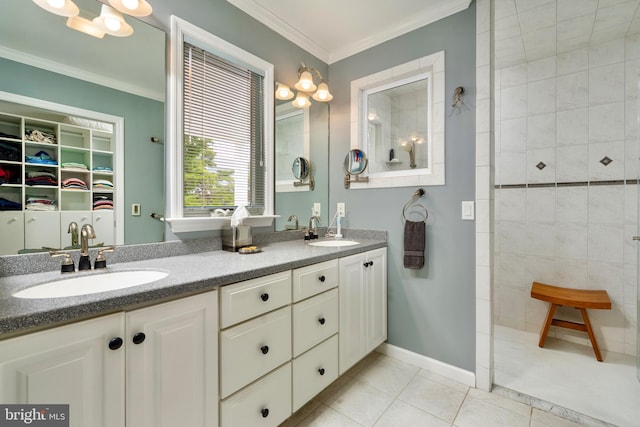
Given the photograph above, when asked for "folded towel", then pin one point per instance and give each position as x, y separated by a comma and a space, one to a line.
414, 244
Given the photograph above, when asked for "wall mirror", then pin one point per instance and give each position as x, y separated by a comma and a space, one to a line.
313, 145
398, 118
355, 163
45, 61
292, 137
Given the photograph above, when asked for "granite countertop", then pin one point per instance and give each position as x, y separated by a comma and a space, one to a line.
188, 275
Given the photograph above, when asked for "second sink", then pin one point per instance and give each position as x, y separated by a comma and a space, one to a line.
91, 284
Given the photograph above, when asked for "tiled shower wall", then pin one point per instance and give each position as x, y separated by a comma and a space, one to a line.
566, 162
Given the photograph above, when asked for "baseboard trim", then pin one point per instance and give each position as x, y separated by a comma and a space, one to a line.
437, 367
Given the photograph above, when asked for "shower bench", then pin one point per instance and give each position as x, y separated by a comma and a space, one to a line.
581, 299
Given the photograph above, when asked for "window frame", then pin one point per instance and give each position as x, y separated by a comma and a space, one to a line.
182, 31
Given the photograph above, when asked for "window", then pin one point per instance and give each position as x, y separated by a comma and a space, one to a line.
220, 153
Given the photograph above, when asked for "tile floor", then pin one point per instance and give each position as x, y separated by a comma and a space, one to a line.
383, 391
568, 375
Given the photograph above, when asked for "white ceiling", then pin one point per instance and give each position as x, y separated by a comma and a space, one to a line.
335, 29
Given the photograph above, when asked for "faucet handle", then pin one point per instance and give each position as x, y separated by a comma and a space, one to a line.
67, 265
101, 261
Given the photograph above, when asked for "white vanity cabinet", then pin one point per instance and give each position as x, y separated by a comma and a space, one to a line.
155, 366
41, 230
363, 305
72, 365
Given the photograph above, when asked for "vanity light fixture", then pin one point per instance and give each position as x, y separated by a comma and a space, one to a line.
59, 7
84, 25
137, 8
305, 86
112, 22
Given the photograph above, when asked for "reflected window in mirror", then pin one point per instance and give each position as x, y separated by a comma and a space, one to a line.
292, 141
222, 118
398, 119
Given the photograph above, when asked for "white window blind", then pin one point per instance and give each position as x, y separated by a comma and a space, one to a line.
223, 156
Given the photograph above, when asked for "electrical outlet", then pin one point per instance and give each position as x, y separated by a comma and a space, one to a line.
135, 209
341, 210
316, 209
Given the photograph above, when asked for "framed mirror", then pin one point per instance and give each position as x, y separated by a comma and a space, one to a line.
292, 137
398, 118
118, 78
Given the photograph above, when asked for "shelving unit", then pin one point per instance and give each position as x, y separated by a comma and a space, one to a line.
37, 158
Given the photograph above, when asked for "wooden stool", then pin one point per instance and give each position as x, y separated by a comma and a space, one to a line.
581, 299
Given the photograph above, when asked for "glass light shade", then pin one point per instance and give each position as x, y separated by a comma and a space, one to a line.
59, 7
305, 83
301, 101
323, 94
283, 92
112, 22
86, 26
135, 8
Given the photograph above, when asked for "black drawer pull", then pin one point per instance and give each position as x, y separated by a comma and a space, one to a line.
321, 371
139, 338
322, 320
115, 343
264, 297
322, 278
264, 349
264, 412
366, 264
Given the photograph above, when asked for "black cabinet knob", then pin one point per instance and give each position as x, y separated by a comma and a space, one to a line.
115, 343
366, 264
264, 412
264, 349
264, 297
322, 320
139, 338
322, 278
370, 263
321, 371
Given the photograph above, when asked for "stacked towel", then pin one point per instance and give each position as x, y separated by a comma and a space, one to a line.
9, 205
41, 157
41, 177
102, 169
74, 165
103, 184
414, 244
74, 184
41, 203
102, 202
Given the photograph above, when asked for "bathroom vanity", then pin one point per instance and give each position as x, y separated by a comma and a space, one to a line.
261, 334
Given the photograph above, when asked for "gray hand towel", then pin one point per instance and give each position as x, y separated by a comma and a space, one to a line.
414, 244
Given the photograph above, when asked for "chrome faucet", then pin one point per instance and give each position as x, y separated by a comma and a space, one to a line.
86, 233
294, 218
312, 231
73, 229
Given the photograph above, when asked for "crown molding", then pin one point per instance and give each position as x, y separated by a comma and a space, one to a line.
440, 10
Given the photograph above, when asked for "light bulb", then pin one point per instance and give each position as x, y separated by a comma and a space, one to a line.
113, 24
131, 4
58, 4
305, 83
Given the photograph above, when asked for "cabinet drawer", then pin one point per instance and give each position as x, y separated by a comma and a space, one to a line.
266, 403
311, 280
252, 298
253, 348
314, 370
314, 320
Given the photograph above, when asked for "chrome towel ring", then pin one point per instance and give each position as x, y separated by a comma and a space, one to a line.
411, 204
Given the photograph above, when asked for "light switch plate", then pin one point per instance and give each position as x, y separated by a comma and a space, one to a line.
316, 209
341, 210
135, 209
468, 210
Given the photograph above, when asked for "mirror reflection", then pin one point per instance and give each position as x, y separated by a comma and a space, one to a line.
47, 62
300, 168
292, 142
355, 162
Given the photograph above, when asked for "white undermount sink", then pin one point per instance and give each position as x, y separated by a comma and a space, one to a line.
333, 243
91, 284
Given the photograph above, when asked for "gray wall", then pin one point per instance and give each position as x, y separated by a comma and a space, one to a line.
143, 118
431, 311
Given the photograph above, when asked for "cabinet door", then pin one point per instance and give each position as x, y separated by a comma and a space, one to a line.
376, 300
105, 227
12, 232
172, 362
353, 337
68, 365
41, 229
